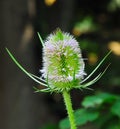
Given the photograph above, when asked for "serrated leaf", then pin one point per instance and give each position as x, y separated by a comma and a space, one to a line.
91, 101
97, 100
83, 116
64, 124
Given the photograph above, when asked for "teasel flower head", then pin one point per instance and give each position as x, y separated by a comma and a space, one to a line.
63, 65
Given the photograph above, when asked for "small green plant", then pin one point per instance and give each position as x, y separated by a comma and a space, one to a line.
102, 109
63, 68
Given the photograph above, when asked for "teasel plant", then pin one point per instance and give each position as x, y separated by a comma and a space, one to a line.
63, 68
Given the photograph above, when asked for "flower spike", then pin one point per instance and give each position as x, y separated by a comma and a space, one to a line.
63, 65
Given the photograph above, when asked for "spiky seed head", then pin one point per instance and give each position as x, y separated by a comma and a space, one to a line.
63, 65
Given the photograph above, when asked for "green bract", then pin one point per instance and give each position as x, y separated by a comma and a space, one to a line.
63, 65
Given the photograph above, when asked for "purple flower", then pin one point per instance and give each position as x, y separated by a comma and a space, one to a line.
63, 65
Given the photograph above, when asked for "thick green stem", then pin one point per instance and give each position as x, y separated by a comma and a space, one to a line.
68, 104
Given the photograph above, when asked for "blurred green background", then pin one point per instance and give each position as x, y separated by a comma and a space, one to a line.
96, 25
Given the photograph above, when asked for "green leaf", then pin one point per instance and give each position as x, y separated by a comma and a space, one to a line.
64, 124
92, 101
97, 100
115, 109
82, 116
